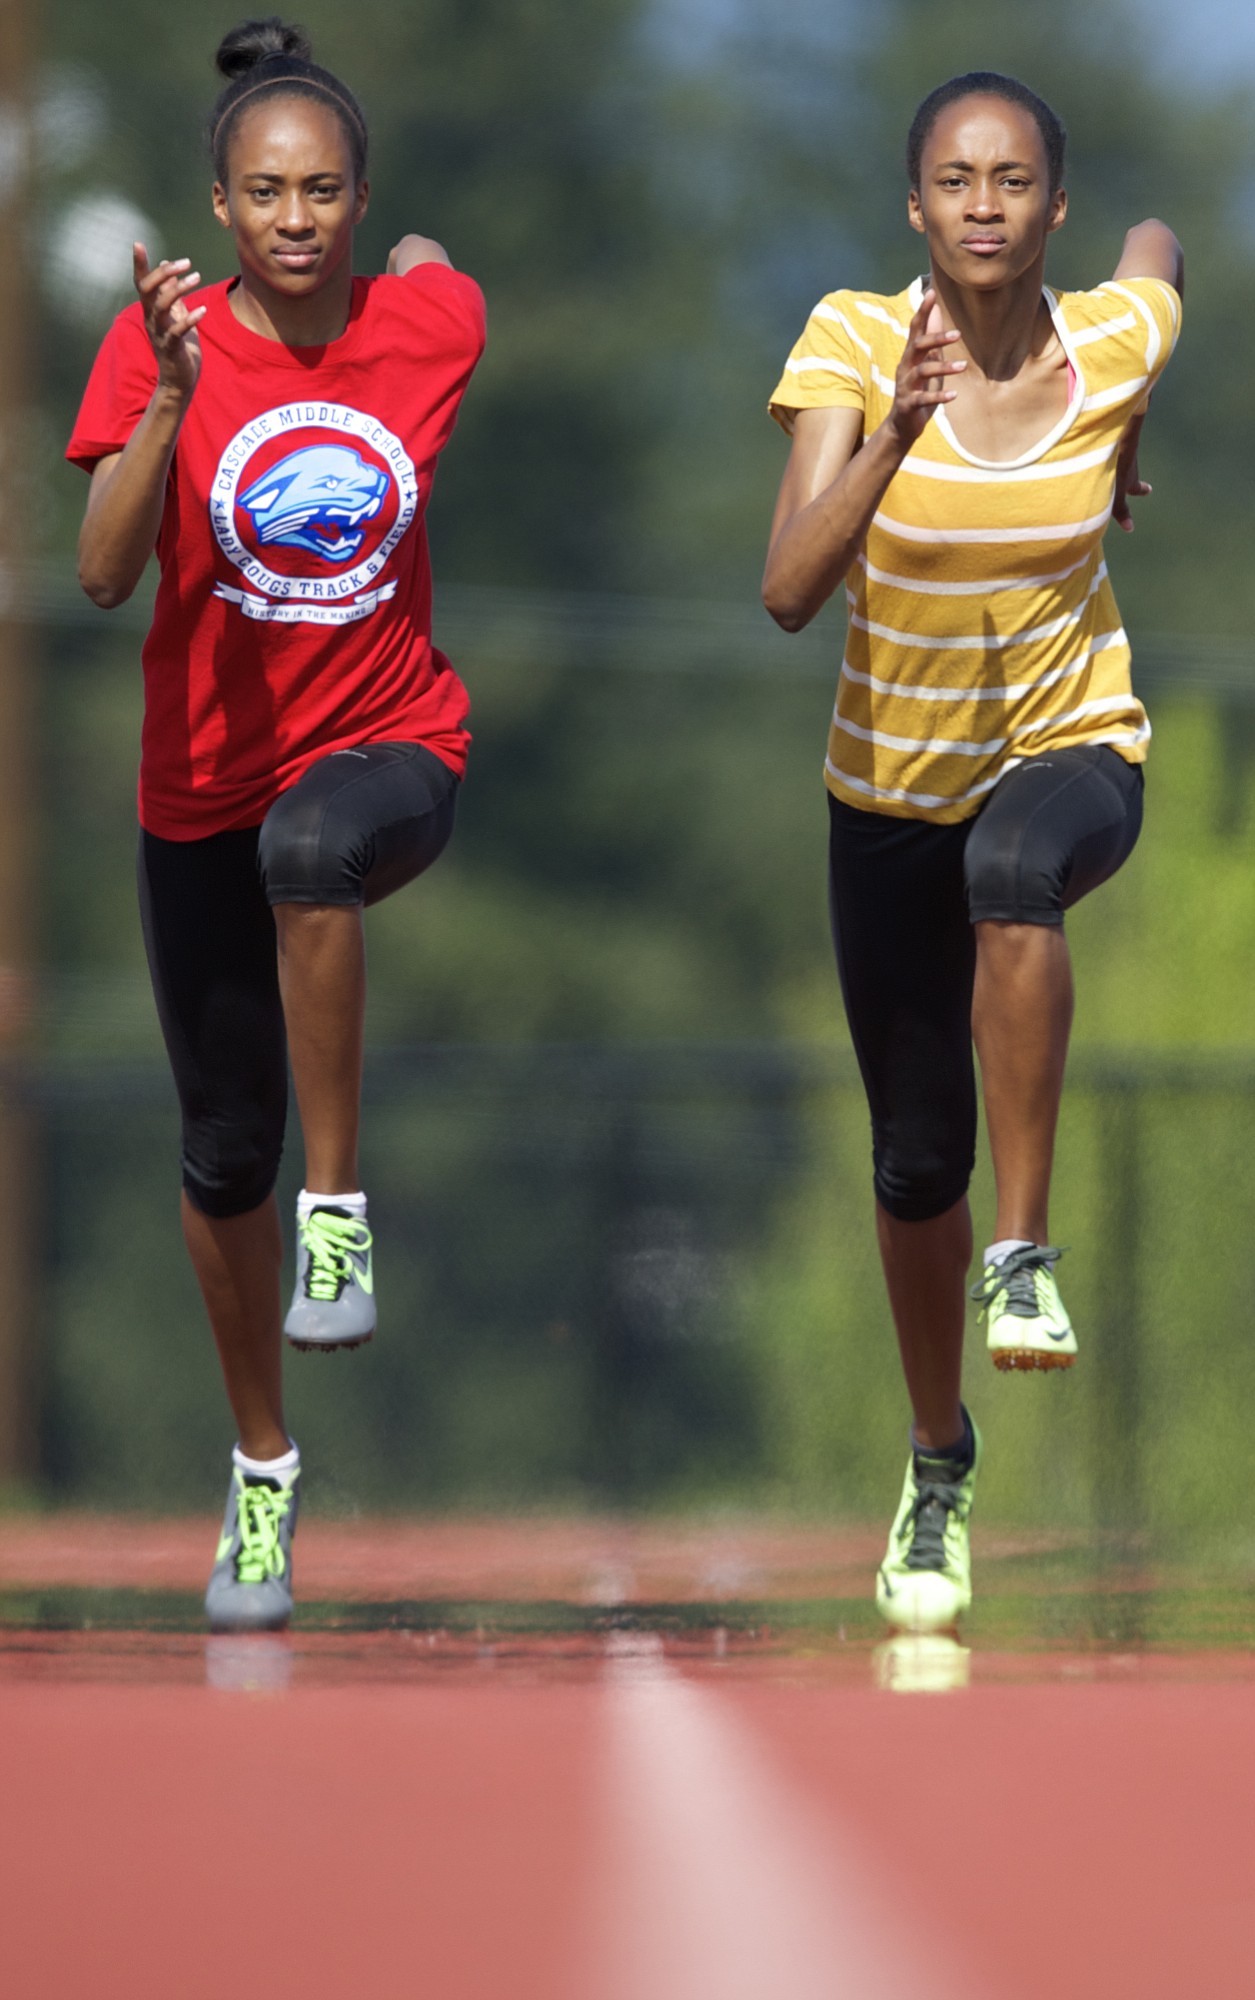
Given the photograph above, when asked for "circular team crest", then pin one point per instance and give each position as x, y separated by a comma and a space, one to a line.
308, 503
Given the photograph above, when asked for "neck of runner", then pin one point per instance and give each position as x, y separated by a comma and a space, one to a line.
1001, 329
313, 321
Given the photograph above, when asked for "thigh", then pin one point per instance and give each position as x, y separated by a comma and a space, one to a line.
358, 825
906, 958
210, 939
1054, 828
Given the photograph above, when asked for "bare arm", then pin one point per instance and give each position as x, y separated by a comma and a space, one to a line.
832, 486
1150, 251
124, 506
128, 487
833, 483
412, 250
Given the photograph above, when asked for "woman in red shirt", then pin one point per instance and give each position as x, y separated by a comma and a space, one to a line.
275, 439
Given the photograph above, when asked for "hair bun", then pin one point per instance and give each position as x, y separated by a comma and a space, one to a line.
256, 42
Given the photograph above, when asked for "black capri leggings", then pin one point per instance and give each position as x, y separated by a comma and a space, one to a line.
905, 894
358, 825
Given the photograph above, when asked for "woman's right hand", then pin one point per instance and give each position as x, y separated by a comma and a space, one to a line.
170, 325
923, 372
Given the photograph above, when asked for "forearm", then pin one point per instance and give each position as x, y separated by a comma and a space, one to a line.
814, 549
124, 509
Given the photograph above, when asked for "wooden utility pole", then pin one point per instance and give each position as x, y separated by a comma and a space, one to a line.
18, 1264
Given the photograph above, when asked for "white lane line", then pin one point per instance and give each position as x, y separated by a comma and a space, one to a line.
717, 1882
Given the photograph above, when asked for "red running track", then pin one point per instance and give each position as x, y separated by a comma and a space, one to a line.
609, 1821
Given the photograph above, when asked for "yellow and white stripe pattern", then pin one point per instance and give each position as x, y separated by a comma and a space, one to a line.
982, 624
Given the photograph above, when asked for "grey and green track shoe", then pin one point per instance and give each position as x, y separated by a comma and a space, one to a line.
925, 1580
1028, 1321
250, 1585
334, 1301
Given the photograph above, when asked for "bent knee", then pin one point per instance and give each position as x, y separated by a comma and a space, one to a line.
232, 1134
916, 1181
222, 1183
304, 855
1007, 881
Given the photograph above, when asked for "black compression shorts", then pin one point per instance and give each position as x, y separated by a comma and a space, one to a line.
904, 895
358, 825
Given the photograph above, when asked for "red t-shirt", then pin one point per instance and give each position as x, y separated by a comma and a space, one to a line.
293, 615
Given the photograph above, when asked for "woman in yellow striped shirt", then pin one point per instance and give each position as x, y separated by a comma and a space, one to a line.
958, 451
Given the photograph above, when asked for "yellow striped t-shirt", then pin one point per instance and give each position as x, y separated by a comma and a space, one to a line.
982, 624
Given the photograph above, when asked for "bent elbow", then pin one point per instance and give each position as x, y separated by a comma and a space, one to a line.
106, 596
1154, 223
786, 612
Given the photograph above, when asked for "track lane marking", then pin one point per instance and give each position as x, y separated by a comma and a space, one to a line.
718, 1881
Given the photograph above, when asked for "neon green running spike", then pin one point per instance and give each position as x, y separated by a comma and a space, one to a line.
250, 1586
1028, 1322
334, 1301
924, 1583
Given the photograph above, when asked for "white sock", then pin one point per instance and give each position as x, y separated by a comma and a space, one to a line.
268, 1468
354, 1203
997, 1251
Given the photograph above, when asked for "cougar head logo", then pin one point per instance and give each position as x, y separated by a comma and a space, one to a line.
316, 499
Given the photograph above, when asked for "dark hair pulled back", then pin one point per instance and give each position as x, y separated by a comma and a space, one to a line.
986, 83
275, 57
